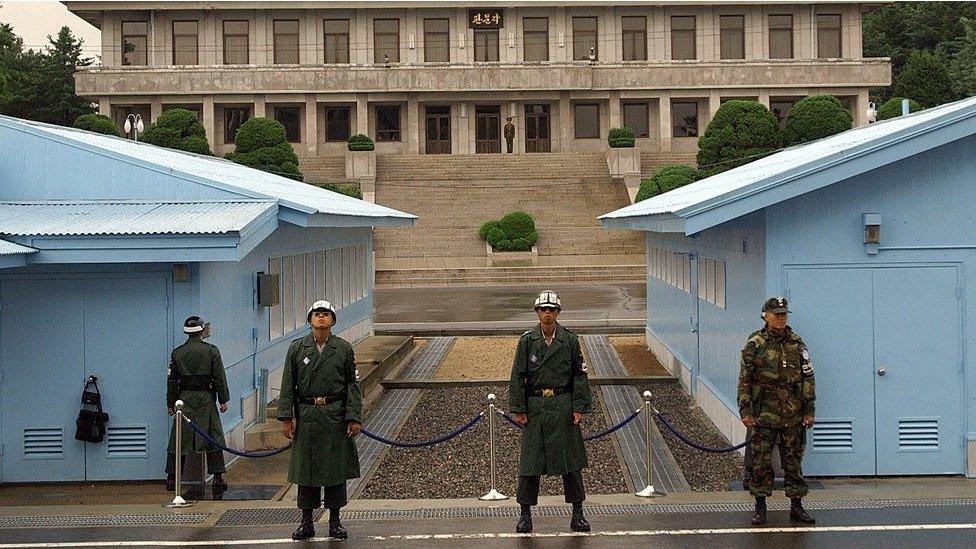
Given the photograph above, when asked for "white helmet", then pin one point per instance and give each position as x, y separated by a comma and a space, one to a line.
321, 305
548, 298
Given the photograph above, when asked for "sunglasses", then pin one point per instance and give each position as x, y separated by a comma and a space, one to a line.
547, 309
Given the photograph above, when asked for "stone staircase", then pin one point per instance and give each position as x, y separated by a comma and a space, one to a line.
323, 169
651, 162
454, 194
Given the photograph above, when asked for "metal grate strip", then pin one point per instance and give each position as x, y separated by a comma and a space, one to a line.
255, 517
384, 421
426, 361
103, 520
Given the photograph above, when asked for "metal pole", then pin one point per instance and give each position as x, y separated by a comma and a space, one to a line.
178, 500
493, 494
649, 491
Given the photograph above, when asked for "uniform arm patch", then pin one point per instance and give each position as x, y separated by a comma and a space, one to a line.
807, 369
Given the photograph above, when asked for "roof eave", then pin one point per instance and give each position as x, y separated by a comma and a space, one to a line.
320, 219
658, 223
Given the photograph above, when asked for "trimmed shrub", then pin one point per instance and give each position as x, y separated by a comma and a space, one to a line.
892, 108
359, 142
348, 190
98, 123
666, 179
513, 233
178, 129
261, 144
815, 117
740, 132
621, 137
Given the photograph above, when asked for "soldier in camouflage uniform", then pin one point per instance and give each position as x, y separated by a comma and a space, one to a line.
776, 401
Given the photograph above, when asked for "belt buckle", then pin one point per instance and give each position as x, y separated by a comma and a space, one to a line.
320, 401
548, 392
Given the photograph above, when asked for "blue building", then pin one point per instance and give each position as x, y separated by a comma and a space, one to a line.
871, 234
107, 245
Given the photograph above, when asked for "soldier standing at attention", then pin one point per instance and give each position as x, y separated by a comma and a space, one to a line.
196, 376
776, 400
549, 393
509, 133
320, 408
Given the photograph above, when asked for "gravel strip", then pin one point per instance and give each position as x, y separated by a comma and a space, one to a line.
704, 471
459, 468
638, 361
478, 358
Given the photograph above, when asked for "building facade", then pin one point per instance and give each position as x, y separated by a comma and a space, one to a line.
869, 235
444, 76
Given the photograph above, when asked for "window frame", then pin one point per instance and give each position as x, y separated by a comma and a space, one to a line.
633, 34
690, 32
247, 39
393, 135
278, 49
534, 33
779, 30
196, 40
230, 137
727, 48
298, 120
821, 29
585, 33
675, 125
486, 48
377, 53
328, 128
444, 36
647, 117
145, 46
326, 35
576, 125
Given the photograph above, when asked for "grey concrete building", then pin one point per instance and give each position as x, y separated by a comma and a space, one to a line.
426, 77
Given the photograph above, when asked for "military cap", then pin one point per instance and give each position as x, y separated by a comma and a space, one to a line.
193, 325
775, 305
323, 306
548, 298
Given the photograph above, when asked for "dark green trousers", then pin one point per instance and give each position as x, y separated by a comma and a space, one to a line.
528, 488
311, 497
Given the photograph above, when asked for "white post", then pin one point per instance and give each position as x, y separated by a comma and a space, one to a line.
178, 419
493, 494
649, 491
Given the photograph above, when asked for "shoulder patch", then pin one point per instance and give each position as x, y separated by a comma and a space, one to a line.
525, 333
807, 369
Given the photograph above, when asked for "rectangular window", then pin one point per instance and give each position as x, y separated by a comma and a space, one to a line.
684, 118
586, 119
288, 294
233, 118
386, 40
274, 312
636, 118
285, 41
683, 37
535, 38
348, 282
781, 107
236, 43
485, 45
388, 123
780, 36
634, 38
437, 40
334, 277
185, 43
732, 37
134, 42
585, 39
828, 36
337, 123
291, 119
719, 284
300, 299
336, 35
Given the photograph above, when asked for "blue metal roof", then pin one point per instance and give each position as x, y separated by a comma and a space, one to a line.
794, 171
9, 248
77, 218
318, 206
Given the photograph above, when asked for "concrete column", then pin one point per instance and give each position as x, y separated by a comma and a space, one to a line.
208, 54
413, 125
362, 114
860, 108
566, 122
714, 102
261, 51
664, 118
764, 97
311, 125
463, 133
260, 110
209, 120
155, 107
158, 53
613, 110
104, 106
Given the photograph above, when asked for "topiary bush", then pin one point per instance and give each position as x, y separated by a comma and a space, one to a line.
666, 179
621, 137
892, 108
178, 129
261, 144
513, 233
348, 190
740, 132
815, 117
359, 142
98, 123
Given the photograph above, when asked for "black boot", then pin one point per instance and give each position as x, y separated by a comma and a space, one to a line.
170, 483
524, 525
336, 531
798, 513
759, 517
578, 522
306, 529
219, 486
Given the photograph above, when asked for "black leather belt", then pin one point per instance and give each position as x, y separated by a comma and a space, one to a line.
320, 400
550, 392
195, 383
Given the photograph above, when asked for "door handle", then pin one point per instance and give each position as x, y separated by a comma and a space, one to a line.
882, 371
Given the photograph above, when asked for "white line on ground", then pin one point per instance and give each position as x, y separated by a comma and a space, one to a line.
507, 535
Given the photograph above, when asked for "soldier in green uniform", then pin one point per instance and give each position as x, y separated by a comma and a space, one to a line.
776, 401
549, 393
196, 376
320, 408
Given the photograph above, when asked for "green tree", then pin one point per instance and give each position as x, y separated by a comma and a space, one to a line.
178, 129
925, 78
962, 67
666, 179
98, 123
892, 108
261, 144
815, 117
740, 132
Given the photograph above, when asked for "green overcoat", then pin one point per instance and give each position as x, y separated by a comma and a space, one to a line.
551, 444
323, 454
201, 360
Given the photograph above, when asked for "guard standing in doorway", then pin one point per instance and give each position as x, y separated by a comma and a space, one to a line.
549, 393
776, 400
320, 408
196, 376
509, 132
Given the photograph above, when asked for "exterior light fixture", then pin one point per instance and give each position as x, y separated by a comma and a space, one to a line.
592, 54
133, 122
872, 232
872, 113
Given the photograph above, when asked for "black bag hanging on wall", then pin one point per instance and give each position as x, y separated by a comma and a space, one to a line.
91, 423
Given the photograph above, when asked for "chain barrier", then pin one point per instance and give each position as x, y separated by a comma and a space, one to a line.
431, 442
586, 438
241, 453
694, 444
